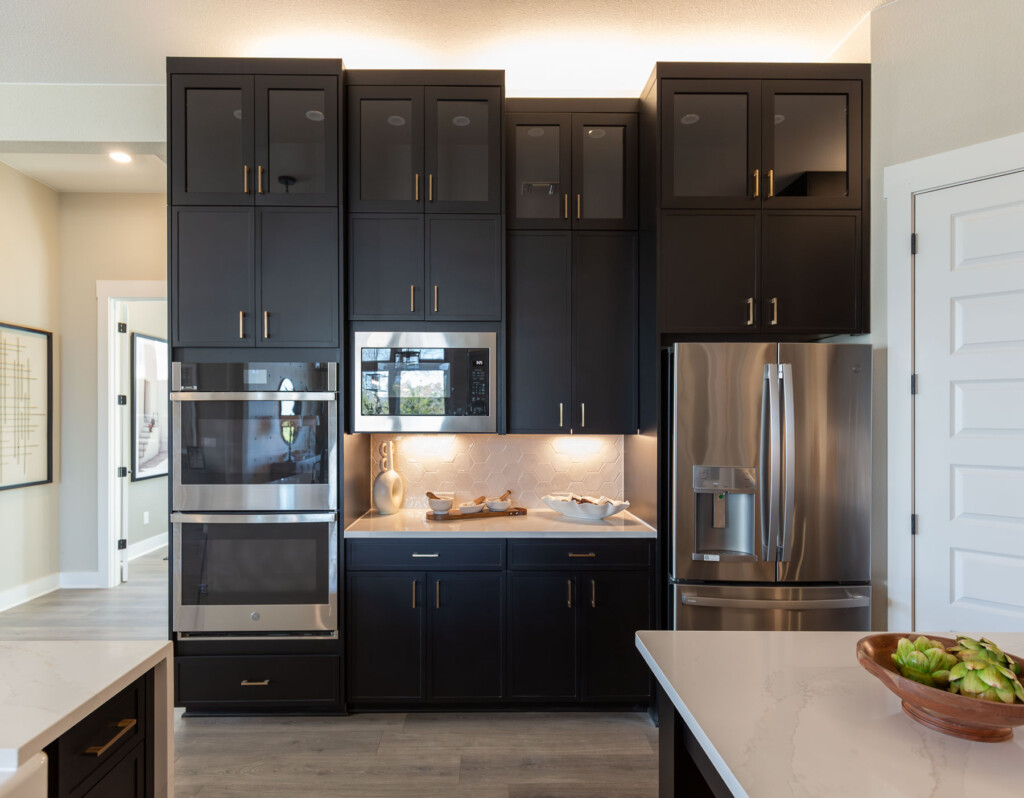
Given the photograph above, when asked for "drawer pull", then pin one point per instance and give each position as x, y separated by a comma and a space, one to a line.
593, 593
125, 726
588, 554
425, 555
247, 683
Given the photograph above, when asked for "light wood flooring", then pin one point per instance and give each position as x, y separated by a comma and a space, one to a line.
484, 755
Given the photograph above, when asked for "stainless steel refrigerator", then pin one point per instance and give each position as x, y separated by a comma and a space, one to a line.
771, 484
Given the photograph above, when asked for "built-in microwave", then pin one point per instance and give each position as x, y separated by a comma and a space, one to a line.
424, 382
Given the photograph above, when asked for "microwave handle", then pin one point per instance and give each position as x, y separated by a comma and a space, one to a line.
253, 396
239, 518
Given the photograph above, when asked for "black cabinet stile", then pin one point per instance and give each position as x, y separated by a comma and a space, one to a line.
614, 605
542, 636
464, 267
386, 266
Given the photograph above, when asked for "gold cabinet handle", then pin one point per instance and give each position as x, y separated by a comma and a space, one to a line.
573, 555
247, 683
566, 206
583, 414
414, 594
757, 183
435, 299
266, 325
750, 311
259, 179
430, 188
412, 298
437, 589
771, 183
775, 310
245, 178
593, 593
561, 414
569, 602
579, 205
125, 726
417, 186
241, 324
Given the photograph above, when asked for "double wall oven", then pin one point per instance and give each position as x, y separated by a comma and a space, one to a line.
255, 498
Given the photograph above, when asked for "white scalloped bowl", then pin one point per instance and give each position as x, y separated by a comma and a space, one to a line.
585, 512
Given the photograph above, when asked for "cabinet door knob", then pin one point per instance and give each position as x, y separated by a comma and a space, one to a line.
241, 324
775, 310
757, 183
750, 311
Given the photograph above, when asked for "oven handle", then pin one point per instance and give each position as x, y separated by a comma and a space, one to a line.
253, 396
269, 518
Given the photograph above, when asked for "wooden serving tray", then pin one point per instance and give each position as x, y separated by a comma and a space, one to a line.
455, 515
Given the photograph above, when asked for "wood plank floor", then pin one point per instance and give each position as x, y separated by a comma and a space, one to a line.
484, 755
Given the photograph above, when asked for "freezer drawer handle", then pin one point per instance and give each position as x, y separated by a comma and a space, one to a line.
756, 604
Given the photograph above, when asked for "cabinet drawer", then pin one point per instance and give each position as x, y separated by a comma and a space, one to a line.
262, 680
425, 555
582, 554
99, 739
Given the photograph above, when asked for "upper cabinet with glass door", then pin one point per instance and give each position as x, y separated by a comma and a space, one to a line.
772, 144
434, 149
245, 140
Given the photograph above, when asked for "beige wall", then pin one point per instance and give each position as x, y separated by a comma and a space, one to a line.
945, 74
102, 237
29, 524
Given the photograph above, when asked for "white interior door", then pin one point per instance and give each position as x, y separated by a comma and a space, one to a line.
969, 411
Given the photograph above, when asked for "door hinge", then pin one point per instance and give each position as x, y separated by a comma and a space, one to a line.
913, 523
913, 384
122, 544
122, 399
122, 327
122, 471
913, 243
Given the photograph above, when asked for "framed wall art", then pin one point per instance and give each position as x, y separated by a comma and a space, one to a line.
26, 406
150, 422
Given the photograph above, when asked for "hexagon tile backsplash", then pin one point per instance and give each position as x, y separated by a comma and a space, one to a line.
488, 465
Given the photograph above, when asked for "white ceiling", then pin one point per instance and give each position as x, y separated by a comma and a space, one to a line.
546, 47
64, 172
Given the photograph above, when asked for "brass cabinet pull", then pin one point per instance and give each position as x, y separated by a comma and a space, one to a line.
757, 183
566, 206
588, 554
583, 414
775, 310
561, 414
437, 588
241, 324
579, 204
771, 183
259, 179
412, 298
266, 325
245, 178
125, 726
430, 188
417, 184
414, 594
593, 593
247, 683
750, 311
569, 583
435, 299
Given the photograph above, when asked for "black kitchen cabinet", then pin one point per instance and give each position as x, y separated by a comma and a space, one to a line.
542, 636
613, 606
464, 267
386, 266
434, 149
572, 171
572, 342
254, 139
127, 779
255, 277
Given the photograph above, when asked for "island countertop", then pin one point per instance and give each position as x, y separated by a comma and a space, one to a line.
794, 714
535, 524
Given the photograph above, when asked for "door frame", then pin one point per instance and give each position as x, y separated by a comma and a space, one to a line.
108, 494
902, 183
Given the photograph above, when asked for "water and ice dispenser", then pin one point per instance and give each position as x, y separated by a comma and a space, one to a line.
724, 513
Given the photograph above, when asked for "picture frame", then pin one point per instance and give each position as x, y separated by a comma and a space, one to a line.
150, 407
26, 406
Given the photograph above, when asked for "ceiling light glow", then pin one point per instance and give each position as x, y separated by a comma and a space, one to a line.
120, 157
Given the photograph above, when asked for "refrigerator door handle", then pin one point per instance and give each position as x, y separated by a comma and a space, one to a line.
850, 602
770, 465
789, 458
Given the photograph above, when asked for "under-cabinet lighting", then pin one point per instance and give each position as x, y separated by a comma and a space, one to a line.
576, 445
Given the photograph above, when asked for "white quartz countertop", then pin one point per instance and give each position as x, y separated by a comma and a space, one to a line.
535, 524
794, 714
47, 687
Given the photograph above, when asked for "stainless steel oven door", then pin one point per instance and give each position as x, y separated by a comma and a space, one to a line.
248, 451
255, 574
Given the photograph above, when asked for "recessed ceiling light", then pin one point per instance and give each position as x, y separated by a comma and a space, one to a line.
690, 119
120, 157
460, 121
779, 119
315, 116
396, 120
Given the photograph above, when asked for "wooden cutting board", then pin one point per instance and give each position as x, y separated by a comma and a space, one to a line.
455, 515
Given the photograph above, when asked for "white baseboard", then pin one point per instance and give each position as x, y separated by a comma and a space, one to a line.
80, 579
19, 594
146, 546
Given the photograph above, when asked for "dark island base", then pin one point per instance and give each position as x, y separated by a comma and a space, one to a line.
684, 770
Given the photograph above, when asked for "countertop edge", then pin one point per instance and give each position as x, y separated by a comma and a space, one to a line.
536, 525
11, 759
716, 759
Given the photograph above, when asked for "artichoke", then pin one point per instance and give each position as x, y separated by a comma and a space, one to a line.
984, 672
925, 661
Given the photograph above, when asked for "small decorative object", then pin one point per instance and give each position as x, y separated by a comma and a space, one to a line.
584, 508
439, 504
500, 503
26, 406
388, 488
150, 442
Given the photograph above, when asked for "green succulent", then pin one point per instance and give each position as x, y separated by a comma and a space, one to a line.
984, 672
925, 661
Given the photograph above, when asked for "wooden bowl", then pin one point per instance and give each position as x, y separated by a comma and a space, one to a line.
935, 707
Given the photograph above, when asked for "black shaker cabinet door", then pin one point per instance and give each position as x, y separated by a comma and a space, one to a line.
464, 267
604, 172
298, 277
708, 272
212, 278
386, 636
604, 336
542, 636
613, 606
539, 330
539, 171
385, 266
212, 147
467, 634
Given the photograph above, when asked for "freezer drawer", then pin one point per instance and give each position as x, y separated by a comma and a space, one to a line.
743, 608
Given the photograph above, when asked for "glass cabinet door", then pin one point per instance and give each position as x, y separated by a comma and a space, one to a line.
212, 140
711, 143
297, 141
463, 149
539, 190
812, 143
604, 171
386, 149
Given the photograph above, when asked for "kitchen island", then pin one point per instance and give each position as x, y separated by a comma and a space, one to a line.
794, 714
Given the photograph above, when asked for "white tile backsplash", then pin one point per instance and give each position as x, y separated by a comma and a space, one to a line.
530, 466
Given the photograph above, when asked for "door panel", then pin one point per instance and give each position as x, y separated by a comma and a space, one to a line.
386, 266
604, 188
830, 528
614, 606
538, 172
464, 267
542, 636
385, 149
467, 635
539, 330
